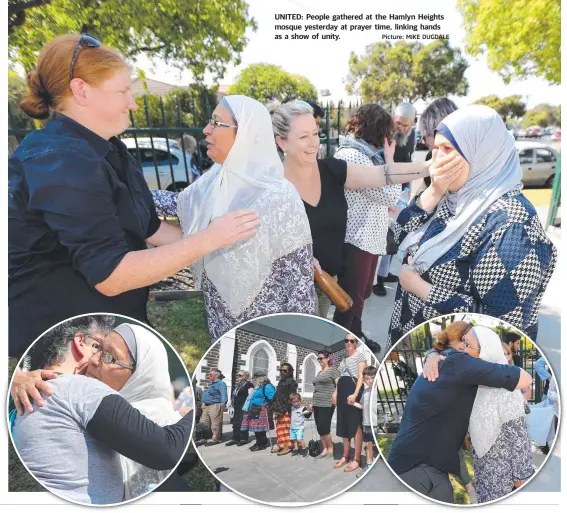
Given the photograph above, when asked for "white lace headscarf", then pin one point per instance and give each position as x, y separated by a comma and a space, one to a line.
493, 407
251, 177
148, 390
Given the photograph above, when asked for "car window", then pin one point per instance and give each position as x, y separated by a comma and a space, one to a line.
526, 156
543, 156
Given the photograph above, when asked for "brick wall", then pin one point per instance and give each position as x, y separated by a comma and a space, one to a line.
212, 361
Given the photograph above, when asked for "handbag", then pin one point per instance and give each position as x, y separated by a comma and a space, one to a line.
314, 446
333, 290
391, 245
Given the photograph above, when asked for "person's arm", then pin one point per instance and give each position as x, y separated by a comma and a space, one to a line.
334, 396
475, 371
359, 383
28, 386
78, 207
124, 429
223, 394
167, 233
269, 391
490, 286
431, 364
360, 177
387, 196
358, 405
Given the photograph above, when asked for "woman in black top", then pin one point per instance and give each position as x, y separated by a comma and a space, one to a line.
239, 395
80, 212
321, 183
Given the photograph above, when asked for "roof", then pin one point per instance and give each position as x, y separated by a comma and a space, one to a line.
523, 145
153, 87
313, 333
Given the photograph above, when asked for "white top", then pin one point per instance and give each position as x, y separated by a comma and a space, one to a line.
367, 224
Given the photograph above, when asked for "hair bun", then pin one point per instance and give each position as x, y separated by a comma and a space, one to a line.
37, 100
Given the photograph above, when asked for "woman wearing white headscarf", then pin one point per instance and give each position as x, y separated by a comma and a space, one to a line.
473, 242
148, 390
272, 271
502, 456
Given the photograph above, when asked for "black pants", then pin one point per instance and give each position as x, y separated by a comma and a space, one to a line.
237, 435
261, 438
323, 418
429, 481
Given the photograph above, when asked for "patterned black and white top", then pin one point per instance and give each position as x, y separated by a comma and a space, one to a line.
367, 223
504, 260
288, 289
508, 460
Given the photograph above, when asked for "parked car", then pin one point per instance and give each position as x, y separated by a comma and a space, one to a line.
521, 133
556, 136
534, 132
548, 131
159, 157
538, 161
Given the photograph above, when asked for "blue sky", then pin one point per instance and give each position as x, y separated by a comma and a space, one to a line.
325, 63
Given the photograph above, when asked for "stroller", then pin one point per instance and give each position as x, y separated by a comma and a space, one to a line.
404, 372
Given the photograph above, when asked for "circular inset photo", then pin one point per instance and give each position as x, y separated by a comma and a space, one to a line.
468, 410
101, 411
285, 415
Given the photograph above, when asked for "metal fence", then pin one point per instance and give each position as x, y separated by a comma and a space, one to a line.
401, 369
162, 151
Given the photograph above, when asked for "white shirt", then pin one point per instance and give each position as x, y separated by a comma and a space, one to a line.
367, 223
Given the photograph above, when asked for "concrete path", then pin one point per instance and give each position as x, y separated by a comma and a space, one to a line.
270, 478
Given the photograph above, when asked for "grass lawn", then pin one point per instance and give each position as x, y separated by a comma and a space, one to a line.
184, 325
460, 493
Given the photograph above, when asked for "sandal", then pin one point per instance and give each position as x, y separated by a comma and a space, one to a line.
341, 463
350, 468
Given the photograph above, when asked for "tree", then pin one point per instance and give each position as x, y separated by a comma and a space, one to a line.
520, 38
16, 89
265, 82
406, 71
508, 108
543, 115
199, 35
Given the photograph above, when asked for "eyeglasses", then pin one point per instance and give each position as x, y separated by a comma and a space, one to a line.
85, 41
471, 346
320, 359
214, 123
350, 341
108, 358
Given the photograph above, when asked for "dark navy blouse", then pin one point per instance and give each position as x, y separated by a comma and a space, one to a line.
77, 203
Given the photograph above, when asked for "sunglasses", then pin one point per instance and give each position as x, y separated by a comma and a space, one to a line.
320, 359
214, 123
349, 341
85, 41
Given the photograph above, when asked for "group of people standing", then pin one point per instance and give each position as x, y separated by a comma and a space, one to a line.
258, 406
84, 233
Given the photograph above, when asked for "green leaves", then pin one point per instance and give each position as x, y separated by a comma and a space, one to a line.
520, 38
264, 82
406, 71
199, 35
509, 107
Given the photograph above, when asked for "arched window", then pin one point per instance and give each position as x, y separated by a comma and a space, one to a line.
310, 368
260, 361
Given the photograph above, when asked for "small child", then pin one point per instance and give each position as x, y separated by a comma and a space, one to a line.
368, 412
298, 415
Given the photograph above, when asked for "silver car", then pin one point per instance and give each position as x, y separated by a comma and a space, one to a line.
160, 157
538, 161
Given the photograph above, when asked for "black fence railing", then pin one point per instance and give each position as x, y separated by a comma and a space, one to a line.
403, 366
169, 160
